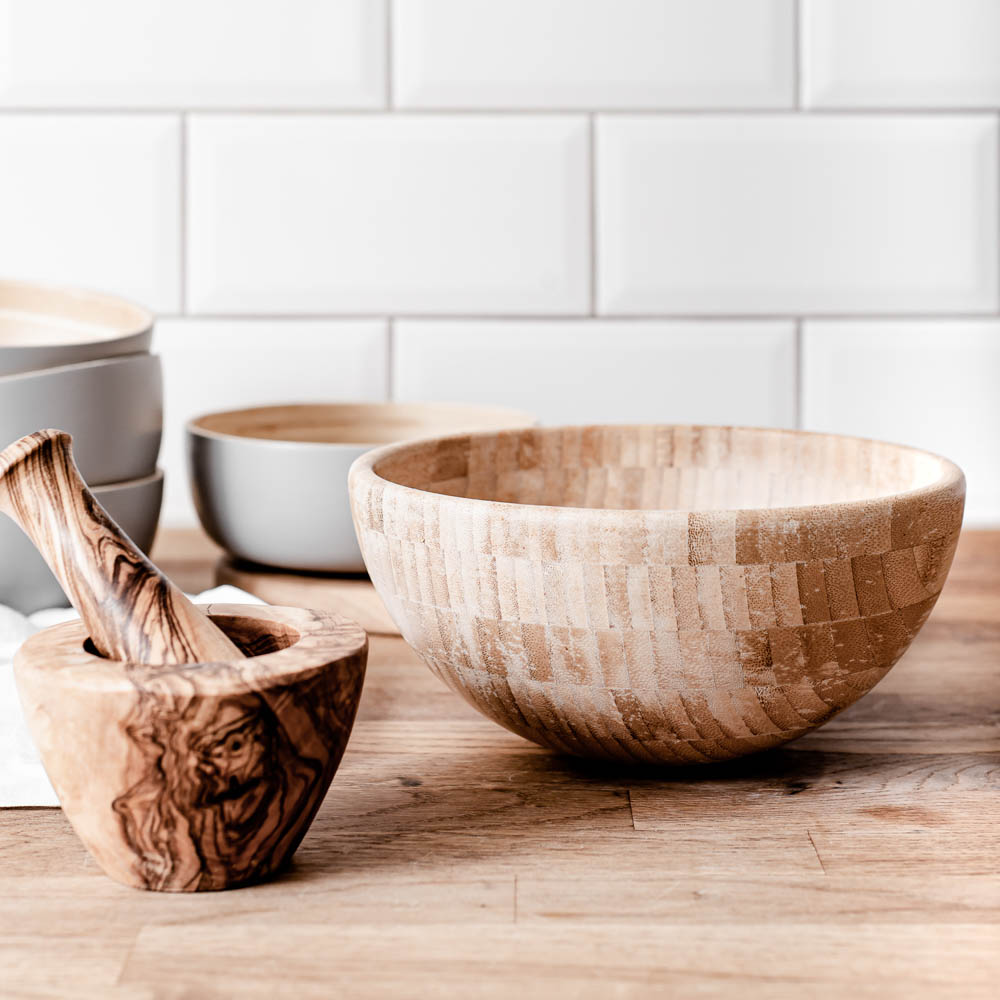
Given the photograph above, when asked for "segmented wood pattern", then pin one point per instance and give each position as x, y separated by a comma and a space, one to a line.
198, 776
133, 612
658, 593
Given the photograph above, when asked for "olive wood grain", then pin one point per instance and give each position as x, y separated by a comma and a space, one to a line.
133, 612
197, 776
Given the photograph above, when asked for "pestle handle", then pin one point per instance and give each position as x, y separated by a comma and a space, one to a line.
133, 612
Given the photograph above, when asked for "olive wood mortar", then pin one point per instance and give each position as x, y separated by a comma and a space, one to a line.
190, 748
196, 776
658, 594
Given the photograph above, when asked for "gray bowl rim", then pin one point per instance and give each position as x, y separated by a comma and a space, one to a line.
193, 429
122, 359
129, 484
144, 319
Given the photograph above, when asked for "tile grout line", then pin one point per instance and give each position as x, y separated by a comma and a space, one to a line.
390, 359
581, 317
183, 220
799, 385
388, 49
334, 111
797, 53
592, 209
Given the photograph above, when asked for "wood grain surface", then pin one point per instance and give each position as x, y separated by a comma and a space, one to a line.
351, 595
197, 776
454, 859
657, 594
132, 611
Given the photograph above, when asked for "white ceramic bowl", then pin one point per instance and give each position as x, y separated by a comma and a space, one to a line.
270, 484
113, 409
43, 327
27, 584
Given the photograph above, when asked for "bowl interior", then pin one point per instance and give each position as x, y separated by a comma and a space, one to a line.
355, 423
253, 636
38, 316
662, 467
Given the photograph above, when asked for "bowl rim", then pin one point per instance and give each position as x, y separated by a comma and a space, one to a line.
951, 480
136, 319
517, 419
129, 484
78, 668
138, 358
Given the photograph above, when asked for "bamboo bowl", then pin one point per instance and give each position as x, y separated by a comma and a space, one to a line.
659, 594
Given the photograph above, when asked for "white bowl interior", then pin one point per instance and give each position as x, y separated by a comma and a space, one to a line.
38, 316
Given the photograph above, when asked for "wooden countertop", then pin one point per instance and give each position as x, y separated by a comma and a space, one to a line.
452, 858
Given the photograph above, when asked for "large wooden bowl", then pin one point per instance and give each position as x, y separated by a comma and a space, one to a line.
658, 593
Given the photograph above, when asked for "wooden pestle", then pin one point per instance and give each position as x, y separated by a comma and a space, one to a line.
132, 611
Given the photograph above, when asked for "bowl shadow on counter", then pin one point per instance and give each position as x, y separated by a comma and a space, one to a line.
241, 565
496, 807
500, 803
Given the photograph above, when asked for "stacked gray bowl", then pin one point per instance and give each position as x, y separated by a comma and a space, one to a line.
80, 362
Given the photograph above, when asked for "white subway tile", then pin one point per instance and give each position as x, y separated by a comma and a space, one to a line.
211, 365
594, 53
93, 200
192, 53
604, 370
447, 213
797, 214
931, 384
901, 53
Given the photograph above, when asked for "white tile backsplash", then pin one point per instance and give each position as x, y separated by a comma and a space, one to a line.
211, 365
415, 214
797, 214
93, 201
901, 53
614, 371
746, 211
594, 53
192, 53
932, 384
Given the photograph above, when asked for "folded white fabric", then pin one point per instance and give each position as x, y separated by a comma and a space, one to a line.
23, 781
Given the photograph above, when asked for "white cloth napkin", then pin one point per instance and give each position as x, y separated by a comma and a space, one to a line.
23, 781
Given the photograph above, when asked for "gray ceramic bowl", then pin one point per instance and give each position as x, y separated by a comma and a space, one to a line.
27, 584
270, 484
43, 327
113, 409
